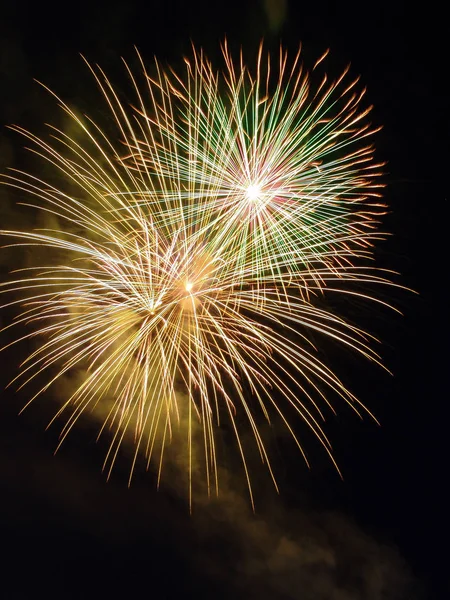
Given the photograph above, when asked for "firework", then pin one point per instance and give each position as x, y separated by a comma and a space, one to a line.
282, 168
198, 239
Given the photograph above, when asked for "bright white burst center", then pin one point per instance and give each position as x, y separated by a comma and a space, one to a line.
253, 192
189, 286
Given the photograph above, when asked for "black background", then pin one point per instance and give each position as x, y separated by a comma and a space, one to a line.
67, 533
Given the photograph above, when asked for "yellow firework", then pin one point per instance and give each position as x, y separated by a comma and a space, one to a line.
197, 239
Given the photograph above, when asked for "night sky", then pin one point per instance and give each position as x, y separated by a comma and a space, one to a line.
382, 532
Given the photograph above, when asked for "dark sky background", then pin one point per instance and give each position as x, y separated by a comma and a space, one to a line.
382, 533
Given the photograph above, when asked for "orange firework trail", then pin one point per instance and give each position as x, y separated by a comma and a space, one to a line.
200, 238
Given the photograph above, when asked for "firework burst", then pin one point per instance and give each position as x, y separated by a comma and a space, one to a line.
199, 238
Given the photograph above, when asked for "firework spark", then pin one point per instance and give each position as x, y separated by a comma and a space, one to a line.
198, 239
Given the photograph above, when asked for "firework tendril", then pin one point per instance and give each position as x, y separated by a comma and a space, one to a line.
201, 240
